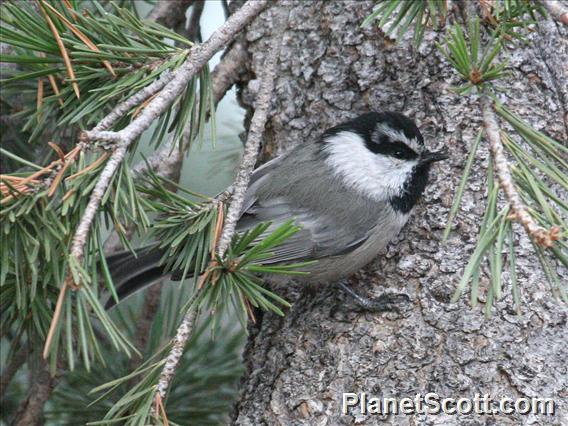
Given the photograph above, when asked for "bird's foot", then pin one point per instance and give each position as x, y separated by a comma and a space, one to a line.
386, 302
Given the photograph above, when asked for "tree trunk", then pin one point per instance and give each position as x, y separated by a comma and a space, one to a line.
299, 366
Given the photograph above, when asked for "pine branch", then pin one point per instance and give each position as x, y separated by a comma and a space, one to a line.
197, 59
183, 333
252, 146
223, 77
519, 211
557, 9
166, 161
239, 188
124, 107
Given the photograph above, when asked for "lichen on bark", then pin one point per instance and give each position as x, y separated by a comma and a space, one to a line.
299, 366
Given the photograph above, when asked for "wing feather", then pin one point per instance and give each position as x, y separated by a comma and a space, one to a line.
330, 225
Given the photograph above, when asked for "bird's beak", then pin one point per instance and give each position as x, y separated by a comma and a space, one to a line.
431, 157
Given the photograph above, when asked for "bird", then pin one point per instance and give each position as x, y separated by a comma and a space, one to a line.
350, 191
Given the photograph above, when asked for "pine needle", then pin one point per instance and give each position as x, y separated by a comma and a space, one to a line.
69, 7
55, 88
218, 227
80, 35
58, 150
66, 163
55, 320
64, 54
39, 101
143, 105
160, 410
90, 167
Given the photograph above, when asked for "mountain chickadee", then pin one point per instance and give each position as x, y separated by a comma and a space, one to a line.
350, 191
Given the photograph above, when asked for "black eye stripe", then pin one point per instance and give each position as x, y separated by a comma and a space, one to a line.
392, 149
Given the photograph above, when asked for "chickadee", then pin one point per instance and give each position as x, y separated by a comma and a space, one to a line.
350, 192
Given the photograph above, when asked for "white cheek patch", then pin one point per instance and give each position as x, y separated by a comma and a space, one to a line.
373, 175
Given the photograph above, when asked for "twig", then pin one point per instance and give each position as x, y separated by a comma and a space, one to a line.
557, 9
170, 13
30, 411
193, 32
183, 333
196, 60
520, 212
12, 367
252, 146
121, 109
240, 185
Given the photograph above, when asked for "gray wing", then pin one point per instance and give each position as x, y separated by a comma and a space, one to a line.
277, 193
319, 236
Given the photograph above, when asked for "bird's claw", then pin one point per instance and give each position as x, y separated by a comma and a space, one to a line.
387, 302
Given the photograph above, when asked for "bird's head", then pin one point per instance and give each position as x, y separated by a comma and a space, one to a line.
382, 156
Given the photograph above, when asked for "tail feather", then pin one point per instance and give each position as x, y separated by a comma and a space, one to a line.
133, 272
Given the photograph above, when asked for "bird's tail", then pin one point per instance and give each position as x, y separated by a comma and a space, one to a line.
133, 272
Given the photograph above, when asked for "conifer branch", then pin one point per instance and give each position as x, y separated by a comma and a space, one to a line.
121, 109
519, 211
239, 188
197, 59
167, 161
223, 77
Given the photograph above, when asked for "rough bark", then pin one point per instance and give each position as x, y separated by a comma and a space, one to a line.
299, 366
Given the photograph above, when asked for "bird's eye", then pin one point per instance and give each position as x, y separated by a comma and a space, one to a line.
399, 154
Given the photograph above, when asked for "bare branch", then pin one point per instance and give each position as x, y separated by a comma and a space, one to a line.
30, 411
12, 367
557, 9
193, 32
252, 147
520, 212
170, 13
